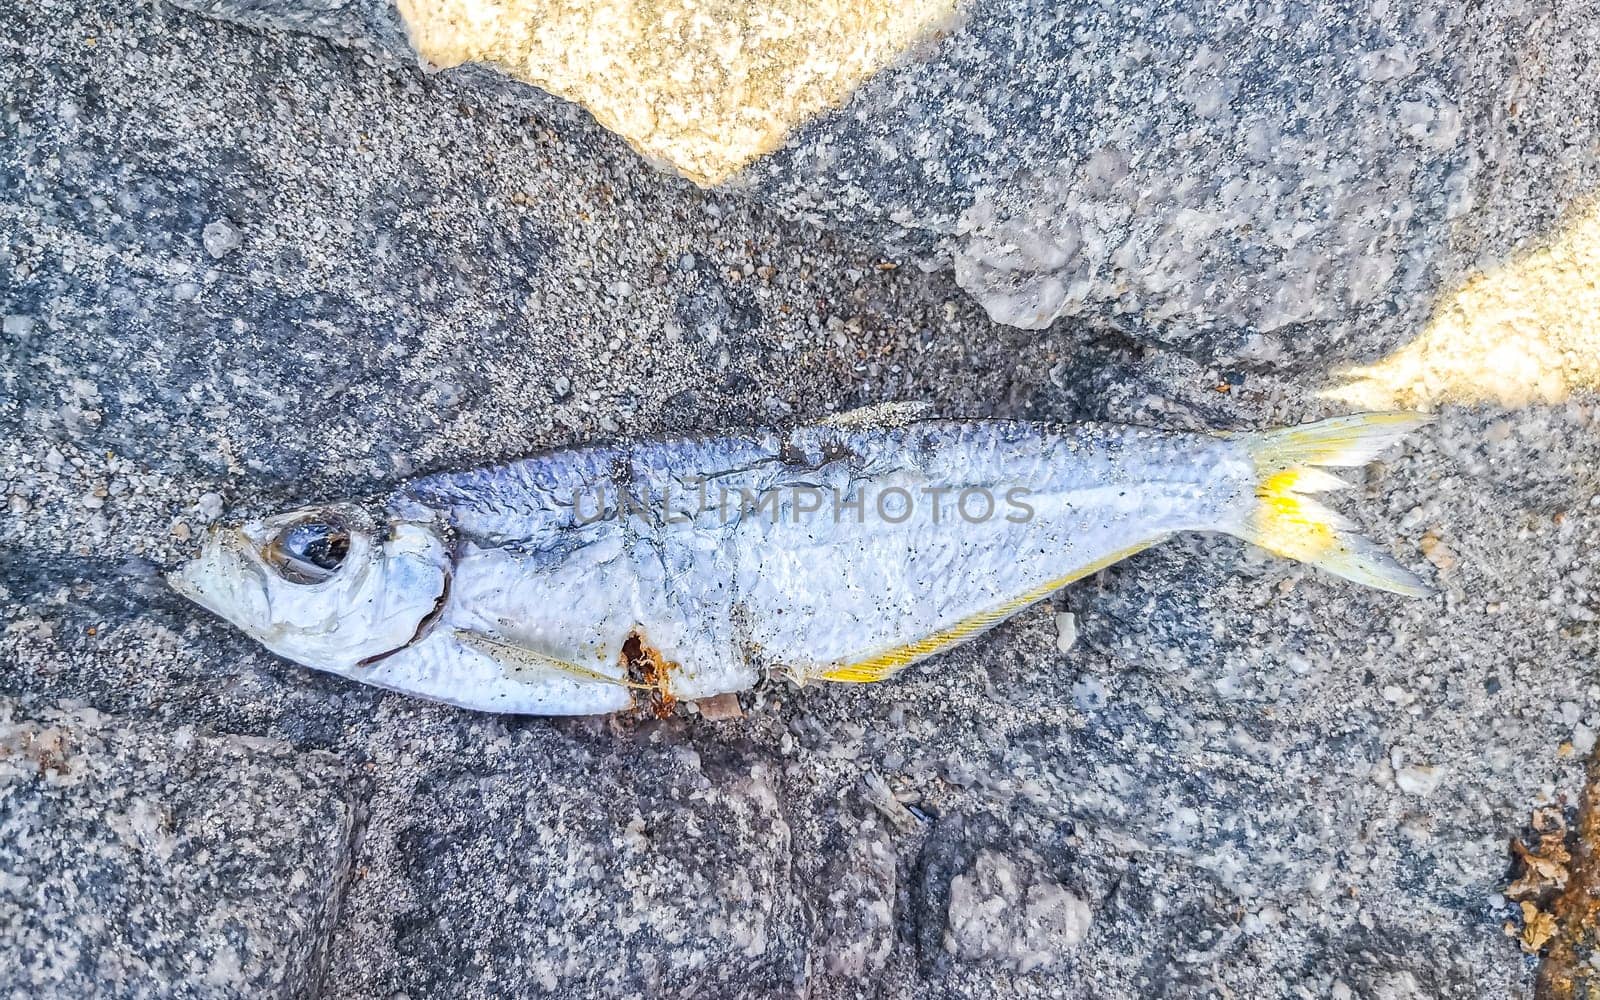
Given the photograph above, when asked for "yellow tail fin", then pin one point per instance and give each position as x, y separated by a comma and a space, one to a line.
1289, 523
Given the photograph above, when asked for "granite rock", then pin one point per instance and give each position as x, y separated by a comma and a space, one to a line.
372, 24
1267, 182
1223, 768
148, 863
1270, 181
574, 864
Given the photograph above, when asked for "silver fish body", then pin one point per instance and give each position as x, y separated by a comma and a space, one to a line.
569, 581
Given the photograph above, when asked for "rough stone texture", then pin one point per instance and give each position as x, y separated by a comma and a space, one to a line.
1274, 180
584, 863
1267, 179
700, 86
1002, 909
139, 863
371, 24
1261, 782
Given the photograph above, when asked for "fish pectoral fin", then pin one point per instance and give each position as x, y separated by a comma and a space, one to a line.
885, 664
891, 414
515, 660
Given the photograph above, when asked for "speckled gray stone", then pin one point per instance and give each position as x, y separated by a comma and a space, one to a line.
576, 864
1221, 767
136, 862
369, 23
1273, 181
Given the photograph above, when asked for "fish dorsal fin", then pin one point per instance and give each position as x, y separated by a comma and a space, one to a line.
891, 414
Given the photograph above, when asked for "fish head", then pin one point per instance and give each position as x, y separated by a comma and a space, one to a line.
329, 587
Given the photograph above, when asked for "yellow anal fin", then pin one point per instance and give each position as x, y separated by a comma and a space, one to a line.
519, 662
882, 666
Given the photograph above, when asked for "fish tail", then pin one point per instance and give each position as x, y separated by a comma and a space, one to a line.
1287, 522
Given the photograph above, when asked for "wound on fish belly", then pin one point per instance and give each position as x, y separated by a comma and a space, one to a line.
652, 671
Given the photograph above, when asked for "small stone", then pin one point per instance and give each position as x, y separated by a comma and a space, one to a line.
1004, 909
720, 708
17, 325
210, 507
561, 388
1066, 631
1419, 779
186, 291
1583, 739
1437, 552
221, 238
1395, 694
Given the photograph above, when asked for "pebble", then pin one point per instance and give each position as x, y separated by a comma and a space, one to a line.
1066, 631
221, 238
16, 325
1583, 739
1437, 552
1419, 779
209, 507
1397, 695
720, 708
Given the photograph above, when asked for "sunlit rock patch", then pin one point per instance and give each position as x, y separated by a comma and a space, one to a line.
703, 86
1526, 332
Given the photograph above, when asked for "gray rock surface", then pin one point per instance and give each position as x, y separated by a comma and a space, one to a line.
1268, 180
1271, 182
146, 863
1003, 910
573, 863
1257, 781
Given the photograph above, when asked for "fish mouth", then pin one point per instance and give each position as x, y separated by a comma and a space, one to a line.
211, 578
178, 581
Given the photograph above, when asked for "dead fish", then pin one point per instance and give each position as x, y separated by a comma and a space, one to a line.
582, 580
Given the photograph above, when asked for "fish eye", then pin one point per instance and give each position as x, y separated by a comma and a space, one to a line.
309, 552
